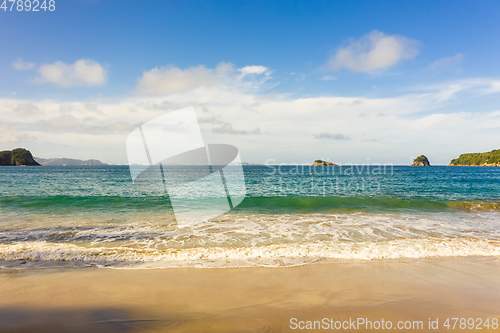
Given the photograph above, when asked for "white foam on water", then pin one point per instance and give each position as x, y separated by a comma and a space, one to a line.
237, 239
244, 230
273, 255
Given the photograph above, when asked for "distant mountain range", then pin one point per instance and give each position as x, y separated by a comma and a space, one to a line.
67, 161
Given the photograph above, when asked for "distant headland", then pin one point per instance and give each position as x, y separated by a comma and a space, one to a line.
491, 158
66, 161
18, 156
22, 156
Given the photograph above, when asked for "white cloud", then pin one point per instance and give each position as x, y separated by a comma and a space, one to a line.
227, 128
8, 136
494, 87
446, 62
373, 51
172, 80
330, 136
270, 126
83, 72
68, 123
22, 65
27, 109
446, 91
248, 70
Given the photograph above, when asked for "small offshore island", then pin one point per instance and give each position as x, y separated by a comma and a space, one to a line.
17, 157
488, 159
421, 161
323, 163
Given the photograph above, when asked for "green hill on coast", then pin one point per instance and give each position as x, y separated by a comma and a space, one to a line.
18, 156
491, 158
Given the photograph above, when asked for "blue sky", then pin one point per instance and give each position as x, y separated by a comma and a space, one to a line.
351, 81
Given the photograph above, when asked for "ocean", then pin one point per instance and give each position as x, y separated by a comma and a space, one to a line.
292, 215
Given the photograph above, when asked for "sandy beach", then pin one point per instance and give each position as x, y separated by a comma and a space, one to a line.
249, 166
249, 299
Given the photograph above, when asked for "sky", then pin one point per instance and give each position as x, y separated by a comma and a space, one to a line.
284, 81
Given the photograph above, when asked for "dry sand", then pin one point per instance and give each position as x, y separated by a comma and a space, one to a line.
248, 299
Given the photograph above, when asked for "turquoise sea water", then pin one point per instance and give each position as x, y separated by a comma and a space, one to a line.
74, 216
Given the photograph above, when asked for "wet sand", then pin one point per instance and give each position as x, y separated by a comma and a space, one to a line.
249, 299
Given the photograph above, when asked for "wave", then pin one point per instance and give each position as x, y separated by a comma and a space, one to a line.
262, 204
475, 206
66, 202
313, 204
46, 254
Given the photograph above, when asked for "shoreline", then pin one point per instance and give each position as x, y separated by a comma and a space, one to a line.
494, 165
53, 255
252, 299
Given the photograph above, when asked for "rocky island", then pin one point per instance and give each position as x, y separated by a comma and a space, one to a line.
491, 159
323, 163
18, 156
421, 161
